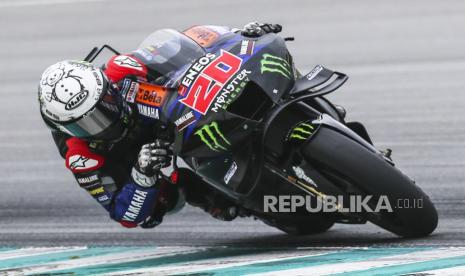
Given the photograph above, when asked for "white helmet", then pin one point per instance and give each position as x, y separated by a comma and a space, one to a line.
76, 98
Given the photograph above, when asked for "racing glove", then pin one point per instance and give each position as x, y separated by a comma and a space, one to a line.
136, 203
255, 29
152, 158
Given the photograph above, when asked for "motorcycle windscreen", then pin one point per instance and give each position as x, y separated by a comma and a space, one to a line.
168, 53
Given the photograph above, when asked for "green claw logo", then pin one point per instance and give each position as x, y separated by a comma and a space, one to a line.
211, 135
274, 64
301, 131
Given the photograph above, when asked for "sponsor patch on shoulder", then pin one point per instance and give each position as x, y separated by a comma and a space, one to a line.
79, 162
128, 62
88, 180
129, 90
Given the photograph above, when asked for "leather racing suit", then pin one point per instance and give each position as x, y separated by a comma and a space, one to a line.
103, 169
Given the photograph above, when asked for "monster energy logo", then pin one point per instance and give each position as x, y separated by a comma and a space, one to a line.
274, 64
302, 131
211, 135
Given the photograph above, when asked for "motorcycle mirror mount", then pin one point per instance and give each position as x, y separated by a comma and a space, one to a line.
96, 51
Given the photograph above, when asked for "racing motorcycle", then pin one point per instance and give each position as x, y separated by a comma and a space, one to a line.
252, 126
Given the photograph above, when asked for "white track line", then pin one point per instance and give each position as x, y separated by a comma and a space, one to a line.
117, 258
220, 263
451, 271
408, 258
29, 252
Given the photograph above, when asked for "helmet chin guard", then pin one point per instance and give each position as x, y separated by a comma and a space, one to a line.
76, 98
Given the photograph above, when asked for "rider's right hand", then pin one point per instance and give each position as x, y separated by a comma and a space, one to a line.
152, 158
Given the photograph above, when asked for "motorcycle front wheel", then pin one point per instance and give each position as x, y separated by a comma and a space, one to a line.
339, 157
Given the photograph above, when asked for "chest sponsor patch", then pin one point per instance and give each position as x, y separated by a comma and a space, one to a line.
150, 94
148, 111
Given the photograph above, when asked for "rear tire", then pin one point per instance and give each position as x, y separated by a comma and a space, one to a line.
332, 152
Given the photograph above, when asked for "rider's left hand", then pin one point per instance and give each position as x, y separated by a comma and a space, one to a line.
255, 29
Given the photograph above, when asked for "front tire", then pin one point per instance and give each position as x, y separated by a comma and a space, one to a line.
333, 153
304, 225
308, 227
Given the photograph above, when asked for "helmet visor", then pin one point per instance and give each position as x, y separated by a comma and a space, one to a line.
103, 121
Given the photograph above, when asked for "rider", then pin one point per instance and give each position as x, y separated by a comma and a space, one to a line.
116, 151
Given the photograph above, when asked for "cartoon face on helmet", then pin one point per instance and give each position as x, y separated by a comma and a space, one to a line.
54, 76
77, 99
69, 89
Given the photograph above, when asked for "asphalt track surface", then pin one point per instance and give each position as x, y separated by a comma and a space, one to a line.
405, 59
